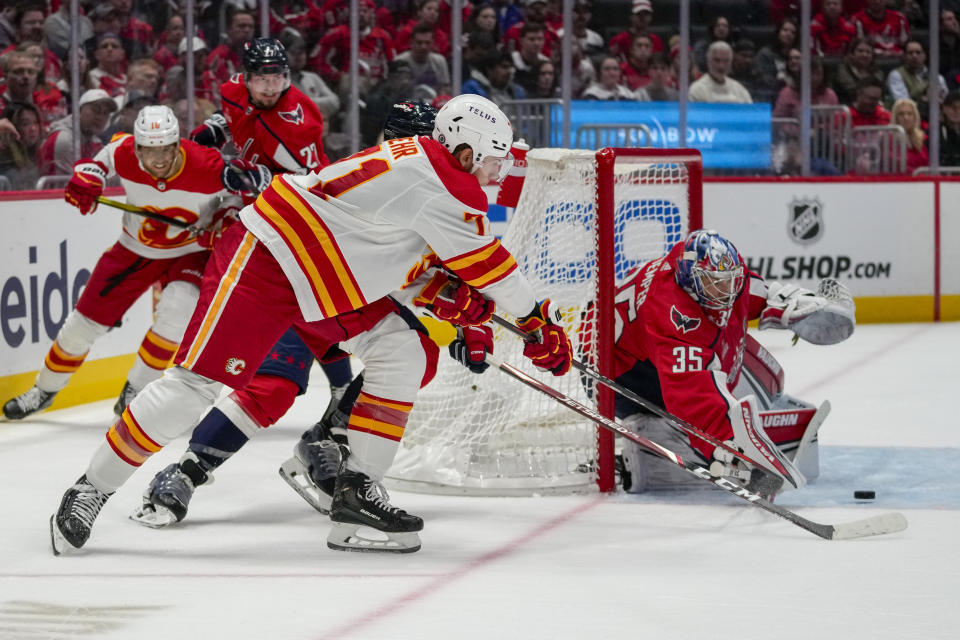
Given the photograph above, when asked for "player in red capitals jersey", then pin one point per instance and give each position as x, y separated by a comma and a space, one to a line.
681, 328
319, 253
270, 122
176, 178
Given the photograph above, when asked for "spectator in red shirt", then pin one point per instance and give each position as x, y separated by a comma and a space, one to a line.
23, 84
636, 72
885, 29
866, 109
166, 53
110, 72
331, 57
227, 59
533, 11
428, 13
640, 18
830, 31
906, 114
56, 152
135, 34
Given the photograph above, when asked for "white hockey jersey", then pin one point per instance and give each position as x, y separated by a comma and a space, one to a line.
348, 234
193, 195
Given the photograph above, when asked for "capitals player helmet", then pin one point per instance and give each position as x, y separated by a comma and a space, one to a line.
408, 119
156, 126
265, 55
710, 269
475, 121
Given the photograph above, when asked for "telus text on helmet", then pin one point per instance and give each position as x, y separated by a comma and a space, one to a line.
482, 114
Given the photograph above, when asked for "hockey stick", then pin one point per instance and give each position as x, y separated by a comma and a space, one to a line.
146, 213
674, 421
872, 526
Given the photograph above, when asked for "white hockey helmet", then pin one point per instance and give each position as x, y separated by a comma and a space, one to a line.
474, 120
156, 126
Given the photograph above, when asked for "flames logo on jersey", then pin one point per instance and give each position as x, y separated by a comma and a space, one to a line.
293, 117
235, 366
681, 322
154, 233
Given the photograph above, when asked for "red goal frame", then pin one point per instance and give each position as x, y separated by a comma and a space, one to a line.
606, 280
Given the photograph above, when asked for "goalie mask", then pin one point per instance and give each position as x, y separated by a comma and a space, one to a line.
711, 271
475, 121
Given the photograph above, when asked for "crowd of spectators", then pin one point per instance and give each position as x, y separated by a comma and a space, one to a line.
866, 56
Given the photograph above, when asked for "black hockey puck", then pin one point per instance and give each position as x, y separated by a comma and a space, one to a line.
864, 495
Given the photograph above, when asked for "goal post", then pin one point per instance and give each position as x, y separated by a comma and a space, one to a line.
585, 220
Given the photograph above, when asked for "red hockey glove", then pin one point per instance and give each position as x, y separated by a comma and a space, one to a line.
472, 346
86, 184
212, 133
246, 178
454, 301
550, 348
222, 220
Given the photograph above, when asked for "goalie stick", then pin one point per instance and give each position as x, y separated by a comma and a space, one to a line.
872, 526
672, 420
146, 213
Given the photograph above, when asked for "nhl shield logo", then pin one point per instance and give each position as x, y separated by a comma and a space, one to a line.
805, 220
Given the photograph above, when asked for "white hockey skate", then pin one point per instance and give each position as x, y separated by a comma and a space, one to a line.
359, 502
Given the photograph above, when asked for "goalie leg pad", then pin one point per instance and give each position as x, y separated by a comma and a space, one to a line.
649, 472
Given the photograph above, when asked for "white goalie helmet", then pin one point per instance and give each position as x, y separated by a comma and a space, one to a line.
156, 126
474, 120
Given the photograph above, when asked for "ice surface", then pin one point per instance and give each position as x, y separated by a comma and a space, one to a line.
251, 561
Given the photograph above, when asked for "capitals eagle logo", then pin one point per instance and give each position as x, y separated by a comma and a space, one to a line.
681, 322
293, 117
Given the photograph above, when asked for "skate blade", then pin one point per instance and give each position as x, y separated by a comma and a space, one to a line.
153, 516
346, 537
295, 474
59, 544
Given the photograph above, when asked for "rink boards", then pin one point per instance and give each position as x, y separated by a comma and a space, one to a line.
885, 239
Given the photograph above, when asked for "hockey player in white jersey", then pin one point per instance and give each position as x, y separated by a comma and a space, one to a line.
319, 252
173, 177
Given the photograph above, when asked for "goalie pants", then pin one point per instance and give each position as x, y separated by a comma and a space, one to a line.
118, 280
246, 303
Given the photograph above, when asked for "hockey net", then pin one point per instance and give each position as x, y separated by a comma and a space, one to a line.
489, 435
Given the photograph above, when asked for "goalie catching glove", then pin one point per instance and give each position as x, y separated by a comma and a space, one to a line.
825, 317
548, 346
454, 301
86, 185
472, 346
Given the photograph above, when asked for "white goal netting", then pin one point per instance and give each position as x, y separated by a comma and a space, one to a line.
488, 434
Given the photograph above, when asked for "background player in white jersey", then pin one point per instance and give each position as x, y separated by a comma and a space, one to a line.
312, 252
681, 342
176, 178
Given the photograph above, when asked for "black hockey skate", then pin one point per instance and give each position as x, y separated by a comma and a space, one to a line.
127, 394
28, 402
70, 526
313, 469
168, 495
358, 502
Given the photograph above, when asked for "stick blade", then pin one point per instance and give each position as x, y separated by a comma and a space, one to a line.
873, 526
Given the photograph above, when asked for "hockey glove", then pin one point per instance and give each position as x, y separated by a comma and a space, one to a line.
85, 185
548, 346
472, 346
246, 178
222, 220
212, 133
824, 317
454, 301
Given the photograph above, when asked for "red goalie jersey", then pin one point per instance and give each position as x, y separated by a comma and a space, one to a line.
669, 350
287, 138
